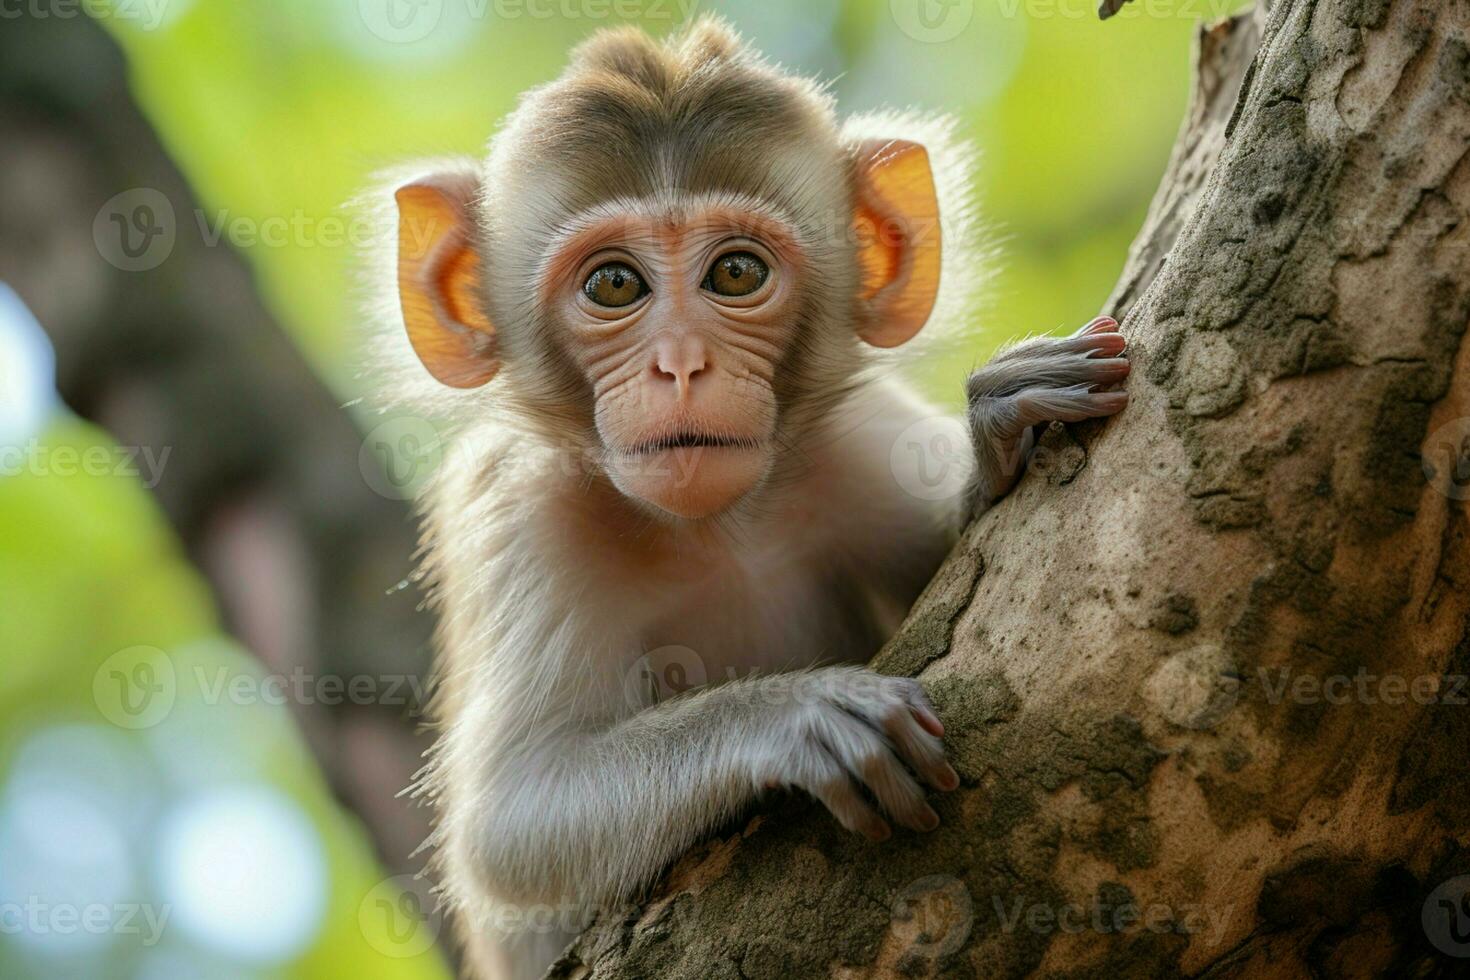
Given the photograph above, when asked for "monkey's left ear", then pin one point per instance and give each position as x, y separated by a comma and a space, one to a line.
896, 220
439, 280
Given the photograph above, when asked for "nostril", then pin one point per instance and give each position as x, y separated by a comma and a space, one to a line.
679, 365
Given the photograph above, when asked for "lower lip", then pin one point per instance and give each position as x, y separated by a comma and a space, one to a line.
690, 481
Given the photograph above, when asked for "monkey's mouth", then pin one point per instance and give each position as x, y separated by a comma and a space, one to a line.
688, 472
691, 440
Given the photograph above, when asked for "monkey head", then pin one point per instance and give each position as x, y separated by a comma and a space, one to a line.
673, 256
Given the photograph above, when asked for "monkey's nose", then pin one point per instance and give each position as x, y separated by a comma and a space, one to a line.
679, 360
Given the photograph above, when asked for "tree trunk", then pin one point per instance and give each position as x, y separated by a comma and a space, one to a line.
1203, 672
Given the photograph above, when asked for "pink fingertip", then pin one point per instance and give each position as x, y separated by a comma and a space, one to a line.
930, 721
1100, 325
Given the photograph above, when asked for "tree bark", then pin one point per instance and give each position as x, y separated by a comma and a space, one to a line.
1203, 671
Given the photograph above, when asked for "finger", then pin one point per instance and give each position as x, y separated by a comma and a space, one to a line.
1108, 370
1101, 334
927, 719
923, 708
1101, 324
895, 790
1096, 344
834, 788
921, 751
851, 736
1056, 370
855, 740
1069, 404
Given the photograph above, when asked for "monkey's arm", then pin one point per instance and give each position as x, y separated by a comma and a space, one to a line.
1040, 380
604, 810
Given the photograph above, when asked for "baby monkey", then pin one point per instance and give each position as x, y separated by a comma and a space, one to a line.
653, 318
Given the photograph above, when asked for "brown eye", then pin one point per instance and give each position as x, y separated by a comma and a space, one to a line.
614, 284
736, 274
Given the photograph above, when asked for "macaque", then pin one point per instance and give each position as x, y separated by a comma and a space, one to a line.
656, 318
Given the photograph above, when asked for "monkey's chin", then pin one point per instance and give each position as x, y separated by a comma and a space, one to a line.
691, 482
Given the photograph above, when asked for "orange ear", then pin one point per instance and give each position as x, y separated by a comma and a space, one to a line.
439, 281
896, 220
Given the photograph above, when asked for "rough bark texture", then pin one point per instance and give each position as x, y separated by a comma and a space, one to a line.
1148, 789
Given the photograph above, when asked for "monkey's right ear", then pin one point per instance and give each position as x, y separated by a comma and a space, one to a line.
439, 281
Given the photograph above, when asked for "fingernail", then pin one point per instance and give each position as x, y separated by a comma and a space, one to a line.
951, 779
929, 820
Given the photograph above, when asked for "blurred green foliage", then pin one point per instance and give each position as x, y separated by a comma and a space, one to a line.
90, 571
279, 111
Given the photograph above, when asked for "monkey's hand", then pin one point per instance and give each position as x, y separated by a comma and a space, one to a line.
1046, 379
590, 816
845, 726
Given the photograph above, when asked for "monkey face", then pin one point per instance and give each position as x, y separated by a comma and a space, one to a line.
678, 259
678, 320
